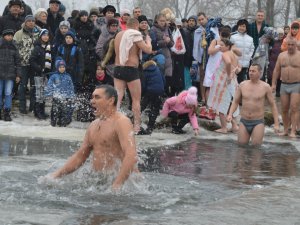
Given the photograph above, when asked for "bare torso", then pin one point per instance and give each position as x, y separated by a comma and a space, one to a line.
103, 139
253, 99
133, 58
289, 67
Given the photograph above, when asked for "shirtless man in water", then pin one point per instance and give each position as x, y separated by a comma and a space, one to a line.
288, 69
126, 72
253, 93
110, 137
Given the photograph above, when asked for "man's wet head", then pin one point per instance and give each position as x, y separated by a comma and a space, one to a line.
133, 23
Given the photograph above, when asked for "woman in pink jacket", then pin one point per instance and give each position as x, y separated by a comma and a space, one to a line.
182, 109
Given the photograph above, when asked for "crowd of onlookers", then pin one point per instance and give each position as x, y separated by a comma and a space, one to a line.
46, 56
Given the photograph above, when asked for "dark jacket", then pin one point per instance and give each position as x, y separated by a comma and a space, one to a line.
10, 22
73, 57
252, 31
154, 81
45, 26
10, 63
27, 11
53, 22
188, 38
37, 59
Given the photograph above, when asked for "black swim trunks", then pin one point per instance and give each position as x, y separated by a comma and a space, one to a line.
126, 73
250, 124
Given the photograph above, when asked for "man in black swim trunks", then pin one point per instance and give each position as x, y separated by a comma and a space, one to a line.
253, 93
128, 47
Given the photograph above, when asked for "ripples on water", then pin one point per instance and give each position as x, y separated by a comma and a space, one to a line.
195, 182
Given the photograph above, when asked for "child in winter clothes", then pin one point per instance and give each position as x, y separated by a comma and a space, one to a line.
182, 107
41, 64
153, 86
10, 70
60, 87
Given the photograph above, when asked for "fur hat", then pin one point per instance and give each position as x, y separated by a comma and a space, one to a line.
191, 98
142, 18
43, 32
39, 11
65, 24
94, 11
109, 8
8, 32
168, 14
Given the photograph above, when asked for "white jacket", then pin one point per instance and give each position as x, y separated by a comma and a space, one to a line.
245, 43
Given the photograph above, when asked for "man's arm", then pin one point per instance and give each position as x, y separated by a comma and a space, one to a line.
273, 107
127, 141
76, 160
276, 73
145, 46
235, 103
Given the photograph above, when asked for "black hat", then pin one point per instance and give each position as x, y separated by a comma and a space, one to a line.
142, 18
83, 13
8, 32
55, 1
15, 2
109, 8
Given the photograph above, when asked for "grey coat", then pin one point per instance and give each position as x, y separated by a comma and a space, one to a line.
10, 63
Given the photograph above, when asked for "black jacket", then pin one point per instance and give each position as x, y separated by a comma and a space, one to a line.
37, 59
10, 63
53, 22
10, 22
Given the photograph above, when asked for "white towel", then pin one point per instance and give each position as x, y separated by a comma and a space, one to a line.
129, 37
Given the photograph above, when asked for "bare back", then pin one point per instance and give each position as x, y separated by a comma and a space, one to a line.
253, 99
133, 59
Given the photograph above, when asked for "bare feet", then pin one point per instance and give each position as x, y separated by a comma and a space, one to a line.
292, 135
283, 134
233, 130
221, 130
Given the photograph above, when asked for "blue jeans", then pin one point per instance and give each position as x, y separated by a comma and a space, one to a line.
26, 75
7, 86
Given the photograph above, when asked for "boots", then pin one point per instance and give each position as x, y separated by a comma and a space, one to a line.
45, 115
7, 115
0, 114
38, 111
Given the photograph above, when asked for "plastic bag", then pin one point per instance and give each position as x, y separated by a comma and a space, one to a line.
178, 47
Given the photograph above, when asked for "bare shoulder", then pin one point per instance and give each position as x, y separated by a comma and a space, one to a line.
244, 84
122, 120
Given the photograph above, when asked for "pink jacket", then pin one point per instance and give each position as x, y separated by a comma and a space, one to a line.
177, 104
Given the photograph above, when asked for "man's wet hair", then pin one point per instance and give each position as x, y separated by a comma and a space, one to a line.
109, 91
132, 22
257, 66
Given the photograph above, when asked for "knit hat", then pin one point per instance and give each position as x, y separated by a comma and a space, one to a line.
142, 18
8, 32
62, 8
109, 8
64, 24
94, 11
39, 11
112, 21
125, 11
280, 30
83, 13
193, 18
70, 33
43, 32
29, 18
55, 1
60, 62
15, 2
191, 98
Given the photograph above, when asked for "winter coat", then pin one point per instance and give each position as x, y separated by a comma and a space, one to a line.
157, 33
54, 22
188, 38
27, 11
41, 25
58, 40
245, 43
105, 36
10, 63
73, 57
177, 104
154, 81
252, 31
25, 42
60, 86
10, 22
37, 59
273, 55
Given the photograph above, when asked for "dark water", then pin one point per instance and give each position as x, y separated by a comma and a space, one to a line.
195, 182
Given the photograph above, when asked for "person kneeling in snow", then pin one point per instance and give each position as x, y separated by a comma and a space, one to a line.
183, 108
60, 88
